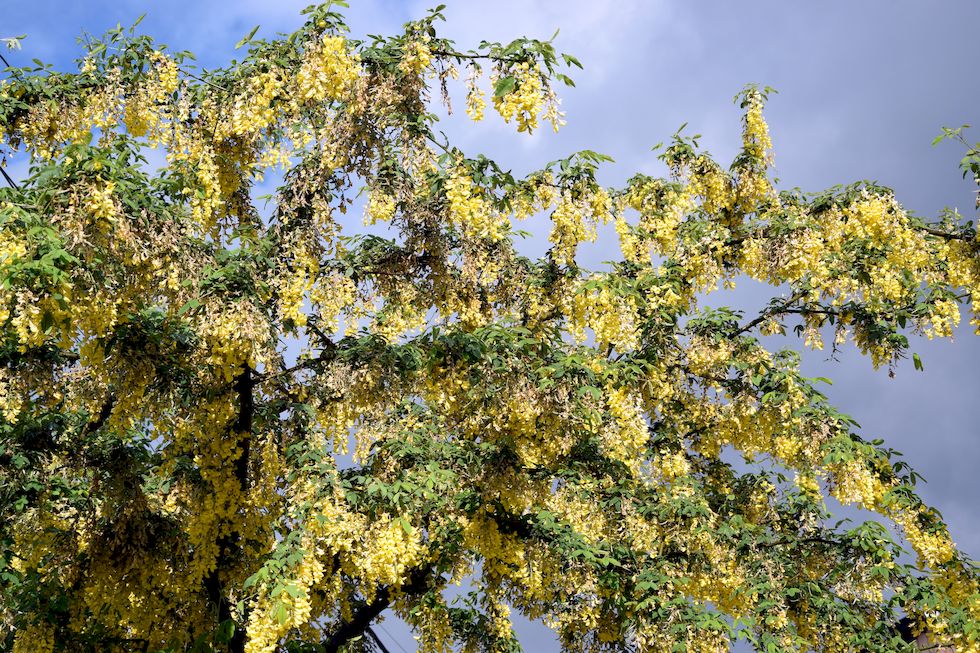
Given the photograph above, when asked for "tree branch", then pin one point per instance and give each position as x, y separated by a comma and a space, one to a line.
361, 620
764, 315
104, 413
474, 57
945, 234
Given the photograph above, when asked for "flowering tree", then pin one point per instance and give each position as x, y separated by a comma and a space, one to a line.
222, 429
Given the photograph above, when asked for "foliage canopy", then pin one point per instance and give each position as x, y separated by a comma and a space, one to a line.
229, 429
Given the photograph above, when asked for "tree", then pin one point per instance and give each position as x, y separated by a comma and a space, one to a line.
231, 428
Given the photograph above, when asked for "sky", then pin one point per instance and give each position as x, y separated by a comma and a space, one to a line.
863, 88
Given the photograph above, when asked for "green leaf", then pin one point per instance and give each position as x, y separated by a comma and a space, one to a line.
280, 613
917, 362
188, 305
251, 580
571, 61
247, 38
226, 630
504, 86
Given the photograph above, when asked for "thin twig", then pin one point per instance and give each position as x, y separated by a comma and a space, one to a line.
474, 57
945, 234
799, 294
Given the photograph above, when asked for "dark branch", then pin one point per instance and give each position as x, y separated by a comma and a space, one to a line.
945, 234
474, 56
362, 619
104, 413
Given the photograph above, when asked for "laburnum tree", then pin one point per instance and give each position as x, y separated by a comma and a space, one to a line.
236, 424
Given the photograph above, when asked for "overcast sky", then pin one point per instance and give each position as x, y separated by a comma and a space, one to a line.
863, 88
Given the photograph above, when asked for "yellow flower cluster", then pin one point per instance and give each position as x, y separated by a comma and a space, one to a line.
295, 283
712, 185
525, 101
671, 465
471, 212
96, 315
435, 631
535, 195
380, 207
633, 248
100, 203
205, 196
964, 592
11, 400
417, 56
206, 436
581, 514
252, 110
944, 317
131, 597
723, 582
391, 547
13, 246
625, 439
476, 103
664, 296
166, 71
662, 207
934, 547
140, 115
755, 136
328, 70
503, 553
574, 220
708, 358
28, 321
101, 105
399, 314
612, 317
145, 106
332, 293
234, 335
49, 125
753, 190
853, 482
266, 625
963, 271
524, 418
263, 630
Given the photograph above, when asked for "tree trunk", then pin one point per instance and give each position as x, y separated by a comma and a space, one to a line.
228, 547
